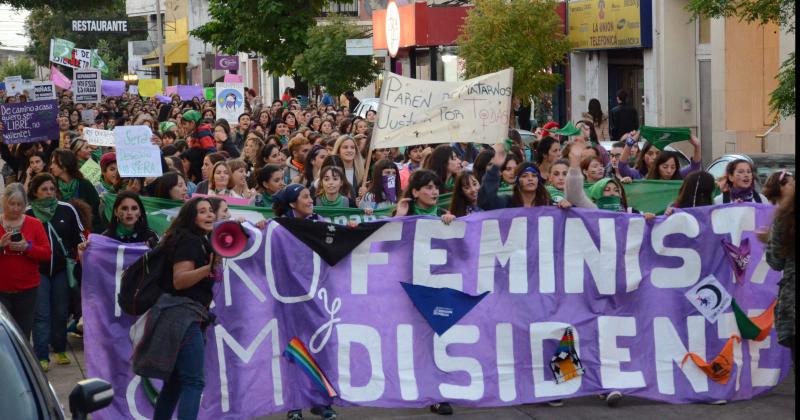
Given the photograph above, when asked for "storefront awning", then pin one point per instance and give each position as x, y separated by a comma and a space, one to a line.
174, 53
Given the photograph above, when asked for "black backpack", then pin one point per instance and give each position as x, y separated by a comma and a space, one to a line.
140, 286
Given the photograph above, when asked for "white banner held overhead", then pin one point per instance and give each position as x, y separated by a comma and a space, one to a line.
415, 111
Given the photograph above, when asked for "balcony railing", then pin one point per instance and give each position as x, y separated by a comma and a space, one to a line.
341, 8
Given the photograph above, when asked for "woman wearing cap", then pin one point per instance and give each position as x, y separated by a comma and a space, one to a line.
109, 179
529, 187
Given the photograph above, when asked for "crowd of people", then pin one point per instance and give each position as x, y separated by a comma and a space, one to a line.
294, 159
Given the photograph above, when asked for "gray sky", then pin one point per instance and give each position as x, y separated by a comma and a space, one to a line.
11, 23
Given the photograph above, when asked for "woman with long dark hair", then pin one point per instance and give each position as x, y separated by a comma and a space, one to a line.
740, 184
529, 187
384, 187
72, 185
128, 222
445, 163
599, 119
547, 151
465, 195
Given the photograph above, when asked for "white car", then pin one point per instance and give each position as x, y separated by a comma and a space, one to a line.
365, 105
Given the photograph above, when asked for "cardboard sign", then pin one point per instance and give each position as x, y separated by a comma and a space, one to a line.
86, 86
97, 137
139, 161
91, 170
132, 135
29, 122
42, 91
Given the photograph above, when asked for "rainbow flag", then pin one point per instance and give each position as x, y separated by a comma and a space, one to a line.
297, 352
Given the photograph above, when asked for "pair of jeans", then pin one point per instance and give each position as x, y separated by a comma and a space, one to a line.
185, 387
21, 305
50, 321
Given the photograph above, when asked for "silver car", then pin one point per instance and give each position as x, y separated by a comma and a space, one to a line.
766, 165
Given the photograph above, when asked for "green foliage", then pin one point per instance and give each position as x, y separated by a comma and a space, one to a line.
47, 22
56, 4
20, 67
782, 99
524, 34
275, 29
114, 62
325, 62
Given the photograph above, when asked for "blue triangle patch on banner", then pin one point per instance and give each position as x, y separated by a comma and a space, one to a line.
441, 307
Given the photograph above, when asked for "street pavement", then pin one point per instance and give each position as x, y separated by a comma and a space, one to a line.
776, 405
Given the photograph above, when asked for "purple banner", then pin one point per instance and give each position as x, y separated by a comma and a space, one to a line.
617, 280
163, 99
112, 87
189, 92
171, 90
226, 62
29, 122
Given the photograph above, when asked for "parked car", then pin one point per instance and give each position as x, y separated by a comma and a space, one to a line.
766, 164
365, 105
25, 392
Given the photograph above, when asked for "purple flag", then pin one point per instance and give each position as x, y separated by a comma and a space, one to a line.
617, 281
739, 256
189, 92
226, 62
171, 90
29, 122
163, 99
112, 87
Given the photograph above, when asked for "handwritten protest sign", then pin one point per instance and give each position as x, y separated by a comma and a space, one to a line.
230, 101
132, 135
415, 111
64, 52
91, 171
29, 122
14, 85
97, 137
139, 161
86, 86
42, 91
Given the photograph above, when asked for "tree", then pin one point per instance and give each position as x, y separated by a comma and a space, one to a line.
274, 29
325, 62
46, 22
780, 12
113, 62
19, 67
524, 34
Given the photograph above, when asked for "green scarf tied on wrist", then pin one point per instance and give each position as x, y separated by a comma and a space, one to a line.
44, 208
68, 189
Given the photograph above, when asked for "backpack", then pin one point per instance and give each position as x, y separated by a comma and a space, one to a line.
140, 284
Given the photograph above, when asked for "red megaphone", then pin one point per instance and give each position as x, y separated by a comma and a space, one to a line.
229, 239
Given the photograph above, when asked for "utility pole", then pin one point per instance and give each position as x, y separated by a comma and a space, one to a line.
160, 35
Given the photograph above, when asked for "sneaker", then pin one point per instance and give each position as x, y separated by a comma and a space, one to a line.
719, 402
45, 365
556, 403
75, 329
326, 412
613, 398
295, 415
442, 409
62, 359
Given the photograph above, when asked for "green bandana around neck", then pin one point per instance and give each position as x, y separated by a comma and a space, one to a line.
108, 187
340, 201
97, 154
123, 232
432, 211
68, 189
44, 208
555, 194
611, 202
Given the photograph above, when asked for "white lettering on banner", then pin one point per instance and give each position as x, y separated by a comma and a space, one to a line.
231, 264
86, 85
130, 398
760, 376
733, 221
633, 245
118, 269
611, 356
415, 111
405, 363
424, 256
370, 339
223, 338
670, 352
579, 248
726, 327
361, 257
689, 272
459, 334
539, 332
512, 254
506, 378
273, 288
547, 258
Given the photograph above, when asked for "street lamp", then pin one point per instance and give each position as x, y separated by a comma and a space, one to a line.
130, 78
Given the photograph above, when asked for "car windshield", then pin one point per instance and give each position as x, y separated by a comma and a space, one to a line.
766, 167
17, 398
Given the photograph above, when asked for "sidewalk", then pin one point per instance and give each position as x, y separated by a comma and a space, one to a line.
776, 405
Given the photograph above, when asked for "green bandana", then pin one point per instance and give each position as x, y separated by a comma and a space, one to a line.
44, 208
340, 201
267, 199
108, 187
69, 189
555, 194
504, 184
433, 211
97, 154
451, 182
123, 232
610, 202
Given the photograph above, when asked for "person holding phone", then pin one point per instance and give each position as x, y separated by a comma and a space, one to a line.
23, 245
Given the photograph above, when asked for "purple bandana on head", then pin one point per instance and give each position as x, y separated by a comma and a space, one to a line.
389, 188
739, 257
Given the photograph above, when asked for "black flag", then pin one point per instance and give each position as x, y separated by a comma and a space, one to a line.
331, 241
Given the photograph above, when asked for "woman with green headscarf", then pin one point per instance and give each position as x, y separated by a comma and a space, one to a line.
64, 231
72, 185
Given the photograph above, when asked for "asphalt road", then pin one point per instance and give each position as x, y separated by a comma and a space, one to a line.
775, 405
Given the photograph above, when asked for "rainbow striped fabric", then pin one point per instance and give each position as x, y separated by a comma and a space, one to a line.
297, 352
